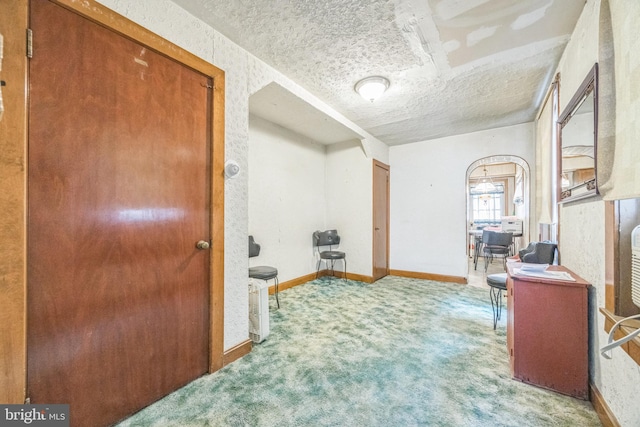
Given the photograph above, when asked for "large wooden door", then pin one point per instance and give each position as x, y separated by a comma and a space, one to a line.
380, 220
119, 194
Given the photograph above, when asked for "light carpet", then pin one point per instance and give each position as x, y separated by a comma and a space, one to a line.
399, 352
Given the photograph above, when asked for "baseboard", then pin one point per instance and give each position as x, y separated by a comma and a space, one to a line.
293, 282
429, 276
309, 277
602, 409
235, 353
367, 279
350, 276
358, 277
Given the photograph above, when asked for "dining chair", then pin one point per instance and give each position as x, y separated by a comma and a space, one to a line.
329, 238
496, 244
262, 272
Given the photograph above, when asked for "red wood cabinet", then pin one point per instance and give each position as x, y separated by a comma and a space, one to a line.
547, 332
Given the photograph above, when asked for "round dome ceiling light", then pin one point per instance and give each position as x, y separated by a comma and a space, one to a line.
371, 88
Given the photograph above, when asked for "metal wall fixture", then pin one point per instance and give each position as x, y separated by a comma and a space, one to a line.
231, 169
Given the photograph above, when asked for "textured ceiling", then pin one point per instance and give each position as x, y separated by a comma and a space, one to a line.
455, 66
278, 105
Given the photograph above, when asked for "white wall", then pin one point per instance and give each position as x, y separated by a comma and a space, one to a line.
428, 196
286, 197
350, 203
582, 224
297, 186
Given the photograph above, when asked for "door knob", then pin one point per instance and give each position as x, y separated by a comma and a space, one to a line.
202, 245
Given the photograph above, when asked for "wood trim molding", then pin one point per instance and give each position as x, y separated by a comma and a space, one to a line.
350, 276
358, 277
609, 296
632, 348
104, 16
429, 276
237, 352
602, 409
309, 277
611, 254
13, 202
294, 282
216, 300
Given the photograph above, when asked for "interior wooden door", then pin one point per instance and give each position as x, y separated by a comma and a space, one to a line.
380, 220
119, 194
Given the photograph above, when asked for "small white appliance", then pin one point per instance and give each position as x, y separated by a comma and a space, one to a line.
512, 225
635, 266
258, 310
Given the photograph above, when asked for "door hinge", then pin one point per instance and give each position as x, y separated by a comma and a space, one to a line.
29, 43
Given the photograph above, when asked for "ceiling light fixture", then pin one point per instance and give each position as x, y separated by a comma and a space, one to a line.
371, 88
486, 185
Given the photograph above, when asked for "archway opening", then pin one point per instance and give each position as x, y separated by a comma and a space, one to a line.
498, 198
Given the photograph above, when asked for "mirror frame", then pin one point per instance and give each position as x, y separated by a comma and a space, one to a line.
589, 188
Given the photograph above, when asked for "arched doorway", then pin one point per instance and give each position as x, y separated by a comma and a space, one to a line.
509, 198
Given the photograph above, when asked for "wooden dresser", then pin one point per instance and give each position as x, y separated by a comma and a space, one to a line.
547, 331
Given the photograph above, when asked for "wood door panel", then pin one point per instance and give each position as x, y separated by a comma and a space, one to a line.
118, 196
380, 220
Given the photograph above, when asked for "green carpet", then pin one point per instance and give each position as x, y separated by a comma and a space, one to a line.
400, 352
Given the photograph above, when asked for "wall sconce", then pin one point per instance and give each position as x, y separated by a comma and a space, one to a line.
371, 88
231, 169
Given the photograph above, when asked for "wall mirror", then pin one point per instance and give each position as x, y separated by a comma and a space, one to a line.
577, 142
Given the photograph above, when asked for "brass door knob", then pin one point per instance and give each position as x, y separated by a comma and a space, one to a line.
202, 245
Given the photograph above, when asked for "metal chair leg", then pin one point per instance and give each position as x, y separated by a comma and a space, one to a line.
330, 264
277, 291
496, 304
476, 253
